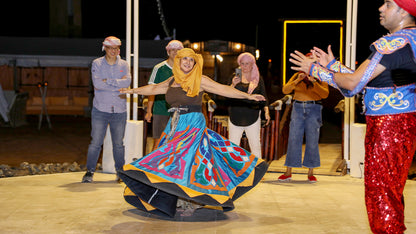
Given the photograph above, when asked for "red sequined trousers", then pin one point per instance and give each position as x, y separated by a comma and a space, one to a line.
390, 144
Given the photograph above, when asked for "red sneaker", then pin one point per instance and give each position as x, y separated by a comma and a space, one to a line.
312, 179
284, 178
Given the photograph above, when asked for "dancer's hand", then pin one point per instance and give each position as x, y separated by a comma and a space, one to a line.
323, 57
256, 97
302, 62
126, 90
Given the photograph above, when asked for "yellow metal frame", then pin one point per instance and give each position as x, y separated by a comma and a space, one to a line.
286, 22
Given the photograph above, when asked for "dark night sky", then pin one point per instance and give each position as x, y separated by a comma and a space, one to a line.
197, 20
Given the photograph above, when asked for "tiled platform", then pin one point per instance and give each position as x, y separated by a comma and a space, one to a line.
59, 203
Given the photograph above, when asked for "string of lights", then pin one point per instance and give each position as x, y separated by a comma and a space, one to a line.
162, 18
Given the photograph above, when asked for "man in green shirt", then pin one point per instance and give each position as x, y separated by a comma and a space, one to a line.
156, 105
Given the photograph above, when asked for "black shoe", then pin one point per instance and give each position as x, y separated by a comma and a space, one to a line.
87, 177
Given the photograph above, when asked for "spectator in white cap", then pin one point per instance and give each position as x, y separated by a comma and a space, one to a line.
156, 105
109, 74
111, 42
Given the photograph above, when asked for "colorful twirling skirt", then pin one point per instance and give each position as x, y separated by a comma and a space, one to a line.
389, 148
194, 164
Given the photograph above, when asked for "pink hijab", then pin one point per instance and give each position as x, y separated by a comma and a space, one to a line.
255, 75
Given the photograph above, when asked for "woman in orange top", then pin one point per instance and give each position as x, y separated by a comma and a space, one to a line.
306, 119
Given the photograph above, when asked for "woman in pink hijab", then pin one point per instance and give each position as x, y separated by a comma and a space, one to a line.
245, 116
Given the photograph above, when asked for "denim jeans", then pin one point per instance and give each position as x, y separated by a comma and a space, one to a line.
306, 119
99, 122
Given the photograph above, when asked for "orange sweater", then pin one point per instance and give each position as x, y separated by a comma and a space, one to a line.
318, 90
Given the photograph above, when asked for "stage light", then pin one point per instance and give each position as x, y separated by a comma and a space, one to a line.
257, 54
219, 57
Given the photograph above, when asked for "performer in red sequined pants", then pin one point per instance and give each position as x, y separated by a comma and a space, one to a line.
388, 81
390, 144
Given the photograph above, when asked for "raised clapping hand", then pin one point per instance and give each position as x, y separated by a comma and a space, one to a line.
302, 62
323, 57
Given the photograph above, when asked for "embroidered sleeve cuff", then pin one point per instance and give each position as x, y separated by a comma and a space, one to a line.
337, 66
325, 75
322, 74
330, 64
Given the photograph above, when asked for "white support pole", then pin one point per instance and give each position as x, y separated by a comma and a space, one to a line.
346, 149
136, 57
353, 54
128, 48
349, 113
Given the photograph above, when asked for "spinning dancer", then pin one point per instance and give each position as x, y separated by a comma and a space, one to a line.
193, 166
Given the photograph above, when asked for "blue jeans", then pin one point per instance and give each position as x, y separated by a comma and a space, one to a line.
99, 122
306, 119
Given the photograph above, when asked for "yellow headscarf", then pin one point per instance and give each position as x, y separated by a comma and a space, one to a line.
190, 82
